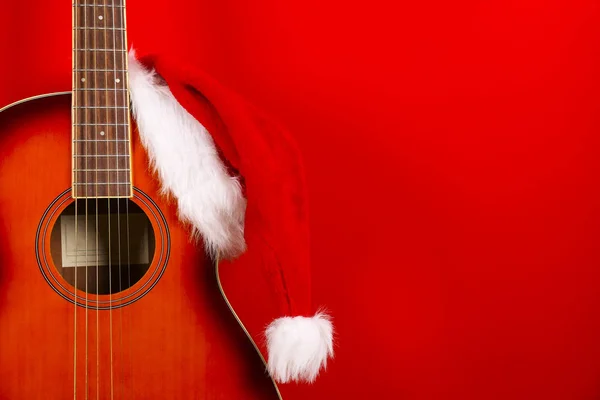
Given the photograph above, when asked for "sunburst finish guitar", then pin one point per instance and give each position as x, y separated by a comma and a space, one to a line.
102, 293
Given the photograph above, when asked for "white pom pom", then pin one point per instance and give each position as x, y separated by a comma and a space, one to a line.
298, 347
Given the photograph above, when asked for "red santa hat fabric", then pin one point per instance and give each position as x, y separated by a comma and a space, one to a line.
238, 181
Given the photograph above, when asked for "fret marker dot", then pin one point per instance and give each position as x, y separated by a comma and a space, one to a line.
100, 17
101, 133
82, 79
117, 80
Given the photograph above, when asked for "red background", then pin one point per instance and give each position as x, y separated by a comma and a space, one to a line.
452, 156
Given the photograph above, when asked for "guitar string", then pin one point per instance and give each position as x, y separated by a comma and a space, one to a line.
86, 260
125, 76
116, 114
74, 145
108, 215
129, 323
95, 17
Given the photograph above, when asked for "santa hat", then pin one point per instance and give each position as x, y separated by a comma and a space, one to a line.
238, 182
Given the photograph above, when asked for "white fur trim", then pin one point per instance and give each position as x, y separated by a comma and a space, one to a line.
184, 155
298, 347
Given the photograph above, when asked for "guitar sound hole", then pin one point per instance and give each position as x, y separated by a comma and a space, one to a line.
107, 244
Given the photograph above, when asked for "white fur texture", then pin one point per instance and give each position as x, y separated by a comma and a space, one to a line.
185, 158
298, 347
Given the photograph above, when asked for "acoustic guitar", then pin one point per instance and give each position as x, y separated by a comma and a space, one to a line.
102, 293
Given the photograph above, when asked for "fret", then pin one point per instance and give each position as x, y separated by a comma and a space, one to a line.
106, 121
99, 49
91, 39
98, 70
99, 148
101, 176
100, 140
92, 137
98, 28
100, 59
107, 80
107, 169
102, 133
100, 97
100, 155
108, 89
101, 121
102, 124
101, 108
98, 5
99, 17
101, 162
102, 183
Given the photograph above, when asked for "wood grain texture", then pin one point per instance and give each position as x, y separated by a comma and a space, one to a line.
178, 342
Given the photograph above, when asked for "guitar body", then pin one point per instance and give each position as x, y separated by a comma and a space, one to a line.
169, 335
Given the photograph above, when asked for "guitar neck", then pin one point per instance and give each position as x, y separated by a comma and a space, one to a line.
100, 120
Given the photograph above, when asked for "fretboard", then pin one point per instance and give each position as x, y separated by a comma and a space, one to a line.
101, 129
